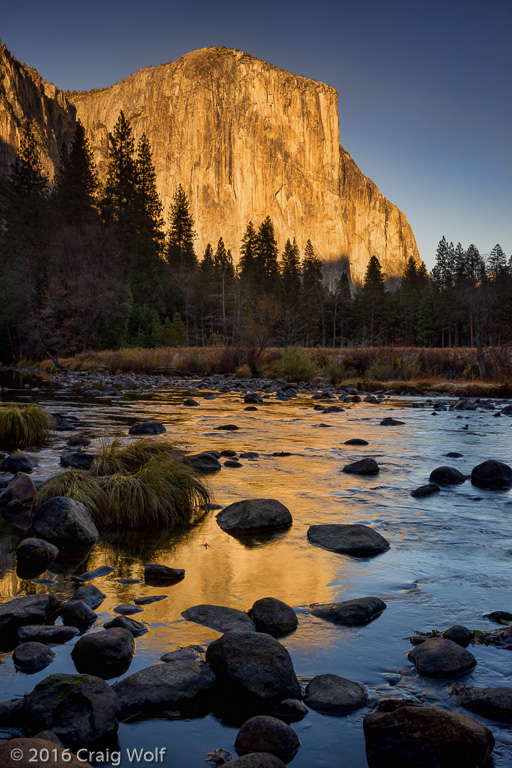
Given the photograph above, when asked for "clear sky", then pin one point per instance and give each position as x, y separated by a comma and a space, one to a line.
425, 94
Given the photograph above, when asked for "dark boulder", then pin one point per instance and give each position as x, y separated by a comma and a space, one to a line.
425, 490
203, 462
334, 695
356, 441
402, 734
162, 574
357, 540
273, 617
19, 488
78, 442
458, 634
127, 609
151, 427
77, 613
90, 595
254, 515
438, 657
499, 616
133, 626
219, 617
34, 609
447, 476
103, 570
227, 427
253, 667
492, 475
32, 656
35, 554
18, 462
50, 635
351, 613
389, 421
190, 402
367, 466
494, 703
77, 459
79, 709
64, 521
175, 686
101, 652
253, 398
267, 734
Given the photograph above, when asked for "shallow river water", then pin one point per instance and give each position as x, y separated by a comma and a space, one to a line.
450, 560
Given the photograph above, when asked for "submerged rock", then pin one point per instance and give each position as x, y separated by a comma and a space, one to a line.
367, 466
50, 635
351, 613
273, 617
402, 734
425, 490
154, 572
493, 475
77, 612
150, 427
18, 462
77, 459
459, 634
34, 609
494, 703
447, 476
35, 554
356, 441
65, 522
204, 462
103, 570
267, 734
127, 609
499, 616
219, 617
357, 540
175, 686
334, 695
90, 595
389, 421
439, 657
253, 667
32, 656
133, 626
254, 515
99, 652
80, 709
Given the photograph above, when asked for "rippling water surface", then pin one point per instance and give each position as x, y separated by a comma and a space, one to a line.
450, 560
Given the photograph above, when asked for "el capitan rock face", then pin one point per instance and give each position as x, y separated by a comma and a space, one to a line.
245, 139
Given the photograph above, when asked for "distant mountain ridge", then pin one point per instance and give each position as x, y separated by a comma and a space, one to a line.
244, 138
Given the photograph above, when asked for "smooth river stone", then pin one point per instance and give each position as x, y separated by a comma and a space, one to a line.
358, 540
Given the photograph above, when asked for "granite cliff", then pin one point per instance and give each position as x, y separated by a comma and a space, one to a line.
243, 137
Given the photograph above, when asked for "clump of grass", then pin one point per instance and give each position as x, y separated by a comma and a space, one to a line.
20, 427
116, 458
163, 493
74, 484
295, 364
243, 372
337, 372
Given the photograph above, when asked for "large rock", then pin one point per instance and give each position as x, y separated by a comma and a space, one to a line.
273, 617
254, 667
20, 753
12, 713
357, 540
176, 686
156, 573
65, 522
447, 476
133, 626
18, 462
367, 466
80, 709
32, 655
77, 459
204, 462
439, 657
151, 427
267, 734
219, 617
351, 613
103, 652
402, 734
90, 595
20, 488
35, 555
493, 475
334, 695
494, 703
50, 635
253, 516
34, 609
77, 612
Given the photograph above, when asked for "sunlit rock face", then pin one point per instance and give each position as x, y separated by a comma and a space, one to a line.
247, 140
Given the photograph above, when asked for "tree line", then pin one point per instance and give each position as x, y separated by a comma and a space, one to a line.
86, 265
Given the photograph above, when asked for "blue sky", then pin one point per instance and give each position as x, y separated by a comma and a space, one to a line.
424, 87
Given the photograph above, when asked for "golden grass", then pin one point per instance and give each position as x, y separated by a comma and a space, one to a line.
115, 457
20, 427
74, 484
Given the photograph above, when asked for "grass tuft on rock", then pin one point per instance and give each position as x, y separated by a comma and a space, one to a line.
163, 493
20, 427
116, 458
77, 485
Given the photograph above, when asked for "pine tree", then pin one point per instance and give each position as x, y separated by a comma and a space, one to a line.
343, 299
374, 300
148, 204
223, 262
76, 181
180, 247
409, 299
496, 263
442, 273
247, 263
313, 297
290, 268
119, 203
266, 254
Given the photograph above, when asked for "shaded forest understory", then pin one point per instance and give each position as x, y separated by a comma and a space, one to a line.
88, 266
